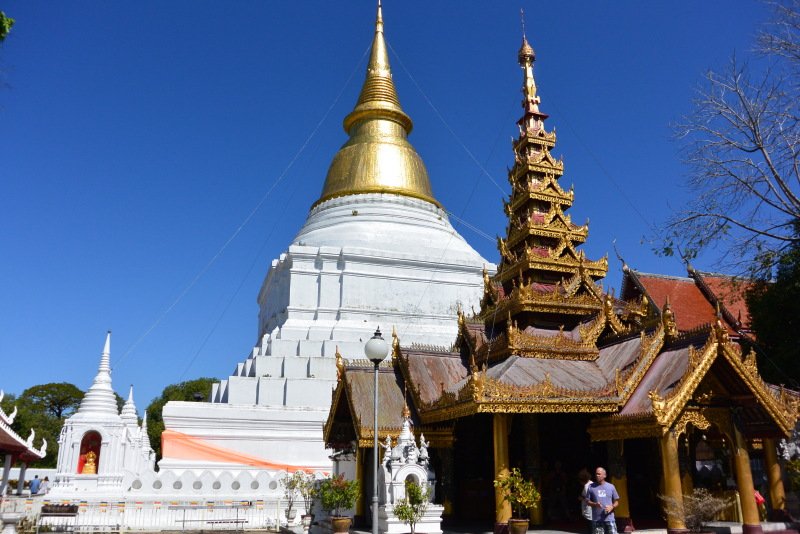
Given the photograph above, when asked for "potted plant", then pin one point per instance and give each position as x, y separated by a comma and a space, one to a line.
291, 489
694, 510
522, 495
336, 495
411, 508
309, 489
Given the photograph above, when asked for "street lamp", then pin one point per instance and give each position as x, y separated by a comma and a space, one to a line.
376, 350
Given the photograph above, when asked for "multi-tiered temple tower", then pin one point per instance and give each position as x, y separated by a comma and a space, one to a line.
544, 282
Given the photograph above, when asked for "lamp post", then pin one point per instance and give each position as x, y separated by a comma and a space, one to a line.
376, 350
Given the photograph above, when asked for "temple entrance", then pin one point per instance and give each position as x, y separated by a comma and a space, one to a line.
643, 462
706, 461
473, 470
549, 448
89, 459
565, 449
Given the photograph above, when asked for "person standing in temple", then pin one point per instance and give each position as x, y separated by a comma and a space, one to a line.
45, 487
586, 511
35, 484
603, 498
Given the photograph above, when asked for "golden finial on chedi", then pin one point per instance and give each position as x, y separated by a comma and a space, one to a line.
377, 158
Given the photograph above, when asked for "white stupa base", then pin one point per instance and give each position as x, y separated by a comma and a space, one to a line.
430, 523
244, 437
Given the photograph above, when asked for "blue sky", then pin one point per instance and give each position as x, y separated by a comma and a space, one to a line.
138, 138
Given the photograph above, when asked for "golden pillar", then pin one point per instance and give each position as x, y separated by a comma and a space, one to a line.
618, 477
777, 495
500, 437
621, 483
751, 522
671, 477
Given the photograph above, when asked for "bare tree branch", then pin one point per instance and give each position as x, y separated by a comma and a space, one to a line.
742, 146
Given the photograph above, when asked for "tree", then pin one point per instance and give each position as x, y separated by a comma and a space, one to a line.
775, 318
44, 408
191, 390
742, 143
411, 508
5, 26
59, 400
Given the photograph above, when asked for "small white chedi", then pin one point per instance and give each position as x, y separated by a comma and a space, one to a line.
406, 461
101, 450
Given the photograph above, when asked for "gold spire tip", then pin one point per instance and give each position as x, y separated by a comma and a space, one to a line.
379, 20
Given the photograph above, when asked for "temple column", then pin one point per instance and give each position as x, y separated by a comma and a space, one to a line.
751, 522
672, 478
6, 472
501, 461
21, 478
777, 494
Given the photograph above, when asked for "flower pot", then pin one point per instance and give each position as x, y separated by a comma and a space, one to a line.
341, 525
291, 513
517, 526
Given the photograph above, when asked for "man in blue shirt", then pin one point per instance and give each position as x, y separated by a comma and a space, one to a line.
603, 498
35, 483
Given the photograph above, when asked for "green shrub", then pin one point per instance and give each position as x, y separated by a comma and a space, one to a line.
521, 494
338, 494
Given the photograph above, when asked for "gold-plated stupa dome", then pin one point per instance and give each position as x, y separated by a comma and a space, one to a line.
377, 158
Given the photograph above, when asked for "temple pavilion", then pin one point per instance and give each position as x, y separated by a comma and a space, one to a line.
554, 374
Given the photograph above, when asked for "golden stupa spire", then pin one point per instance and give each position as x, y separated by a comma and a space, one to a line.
378, 95
377, 158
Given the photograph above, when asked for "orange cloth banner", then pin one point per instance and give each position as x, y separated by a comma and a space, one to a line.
179, 446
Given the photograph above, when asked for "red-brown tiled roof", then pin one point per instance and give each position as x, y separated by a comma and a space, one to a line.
731, 292
690, 307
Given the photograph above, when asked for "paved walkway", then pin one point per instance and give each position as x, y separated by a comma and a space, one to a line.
718, 527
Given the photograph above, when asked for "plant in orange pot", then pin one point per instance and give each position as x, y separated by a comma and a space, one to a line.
522, 495
337, 495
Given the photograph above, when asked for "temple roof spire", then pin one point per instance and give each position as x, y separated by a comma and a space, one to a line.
527, 56
377, 158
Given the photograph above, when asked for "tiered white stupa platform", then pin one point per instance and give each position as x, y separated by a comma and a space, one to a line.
360, 261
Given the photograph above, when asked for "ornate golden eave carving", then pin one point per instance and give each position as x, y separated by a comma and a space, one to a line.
782, 409
668, 409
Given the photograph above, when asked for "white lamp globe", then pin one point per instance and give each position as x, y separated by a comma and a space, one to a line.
376, 348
